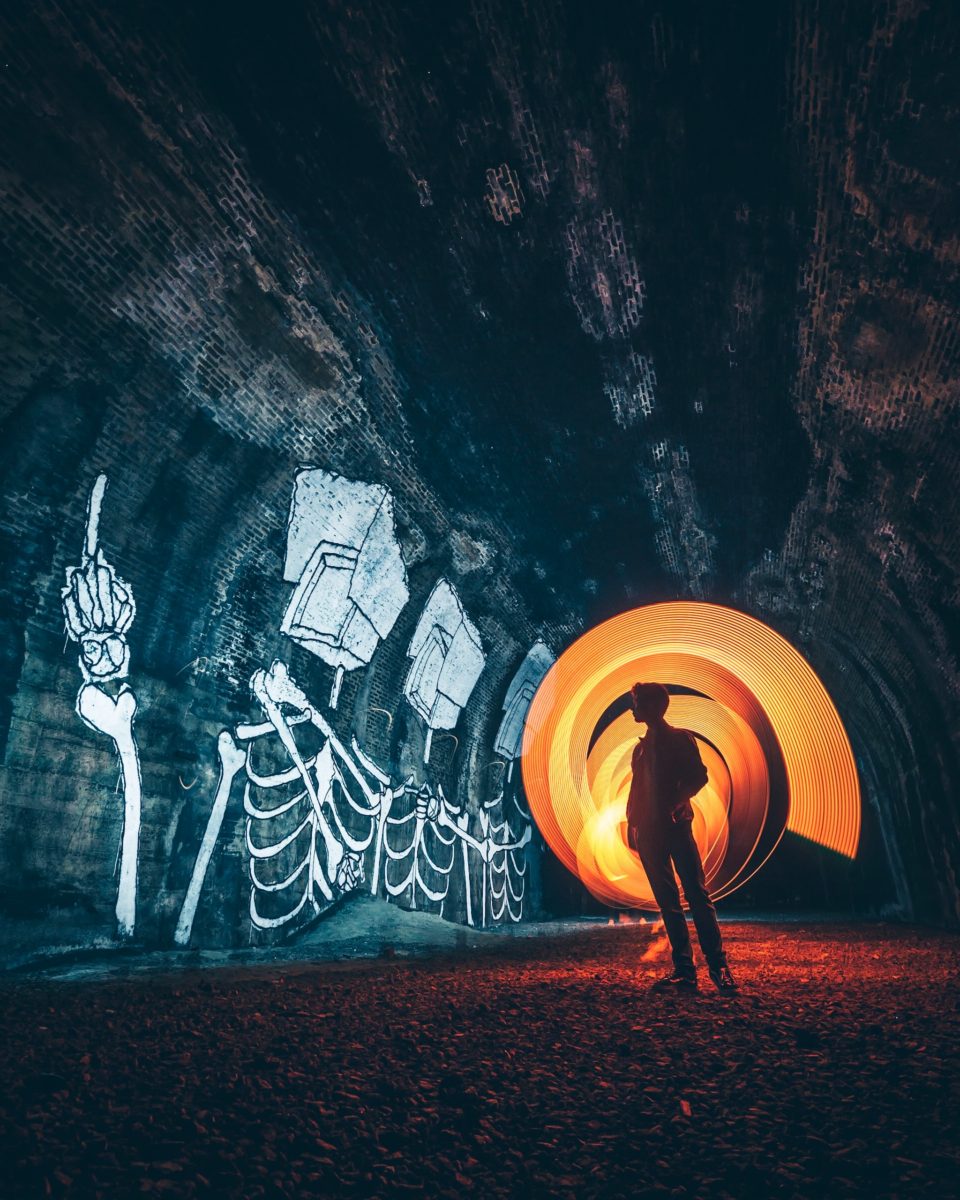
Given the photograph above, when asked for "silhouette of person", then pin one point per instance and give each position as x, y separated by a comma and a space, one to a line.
667, 772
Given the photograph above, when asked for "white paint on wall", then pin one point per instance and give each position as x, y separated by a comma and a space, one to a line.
98, 609
425, 875
345, 559
329, 821
447, 658
232, 760
520, 693
98, 606
504, 878
323, 818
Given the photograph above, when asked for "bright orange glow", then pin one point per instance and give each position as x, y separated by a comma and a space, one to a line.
774, 746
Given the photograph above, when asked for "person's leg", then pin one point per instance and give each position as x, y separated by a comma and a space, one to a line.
654, 854
686, 856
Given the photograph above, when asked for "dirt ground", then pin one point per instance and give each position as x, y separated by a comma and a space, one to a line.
543, 1067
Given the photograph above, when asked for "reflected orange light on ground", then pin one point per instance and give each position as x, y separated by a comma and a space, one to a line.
762, 714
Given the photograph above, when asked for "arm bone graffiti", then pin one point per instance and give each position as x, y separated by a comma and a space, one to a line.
232, 760
99, 608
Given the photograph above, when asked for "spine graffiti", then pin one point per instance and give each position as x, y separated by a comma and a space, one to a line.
99, 609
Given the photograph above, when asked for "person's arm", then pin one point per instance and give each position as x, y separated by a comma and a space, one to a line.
634, 798
691, 777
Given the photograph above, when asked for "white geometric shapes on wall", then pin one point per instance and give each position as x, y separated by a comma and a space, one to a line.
520, 693
344, 557
447, 660
98, 608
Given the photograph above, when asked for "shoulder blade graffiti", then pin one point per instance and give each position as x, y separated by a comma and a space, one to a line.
447, 658
344, 557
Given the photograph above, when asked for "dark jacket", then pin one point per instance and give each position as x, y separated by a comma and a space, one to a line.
667, 771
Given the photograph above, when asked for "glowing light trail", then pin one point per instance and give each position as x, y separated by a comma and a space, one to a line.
775, 748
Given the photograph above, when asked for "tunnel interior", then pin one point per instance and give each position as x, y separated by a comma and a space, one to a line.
357, 360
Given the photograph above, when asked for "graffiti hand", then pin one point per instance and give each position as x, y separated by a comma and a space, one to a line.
350, 872
98, 609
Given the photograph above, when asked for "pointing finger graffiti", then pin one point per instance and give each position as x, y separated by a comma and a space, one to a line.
98, 606
98, 609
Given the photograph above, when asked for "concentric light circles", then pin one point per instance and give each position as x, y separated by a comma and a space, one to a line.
775, 747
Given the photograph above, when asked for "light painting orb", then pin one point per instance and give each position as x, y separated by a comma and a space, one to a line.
776, 752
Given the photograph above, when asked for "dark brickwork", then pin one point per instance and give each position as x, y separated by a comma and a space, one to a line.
622, 303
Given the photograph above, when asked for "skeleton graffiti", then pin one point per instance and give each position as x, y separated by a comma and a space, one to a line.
504, 879
322, 818
504, 882
98, 608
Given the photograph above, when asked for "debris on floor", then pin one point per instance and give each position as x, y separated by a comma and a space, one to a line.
542, 1067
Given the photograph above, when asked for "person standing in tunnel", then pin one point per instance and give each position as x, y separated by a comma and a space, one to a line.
667, 772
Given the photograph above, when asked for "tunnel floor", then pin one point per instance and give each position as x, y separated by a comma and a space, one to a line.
544, 1068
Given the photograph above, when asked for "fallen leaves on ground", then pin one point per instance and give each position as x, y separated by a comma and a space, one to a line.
546, 1068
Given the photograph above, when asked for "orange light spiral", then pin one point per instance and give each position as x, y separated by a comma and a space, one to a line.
775, 749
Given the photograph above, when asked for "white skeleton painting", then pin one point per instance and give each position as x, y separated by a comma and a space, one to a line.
344, 557
325, 819
447, 658
99, 608
321, 818
505, 876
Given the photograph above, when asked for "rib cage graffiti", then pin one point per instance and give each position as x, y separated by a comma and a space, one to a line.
505, 878
313, 820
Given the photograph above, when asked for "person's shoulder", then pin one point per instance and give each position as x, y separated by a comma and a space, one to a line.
684, 737
680, 734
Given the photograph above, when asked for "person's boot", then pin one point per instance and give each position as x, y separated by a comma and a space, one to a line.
724, 980
676, 981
